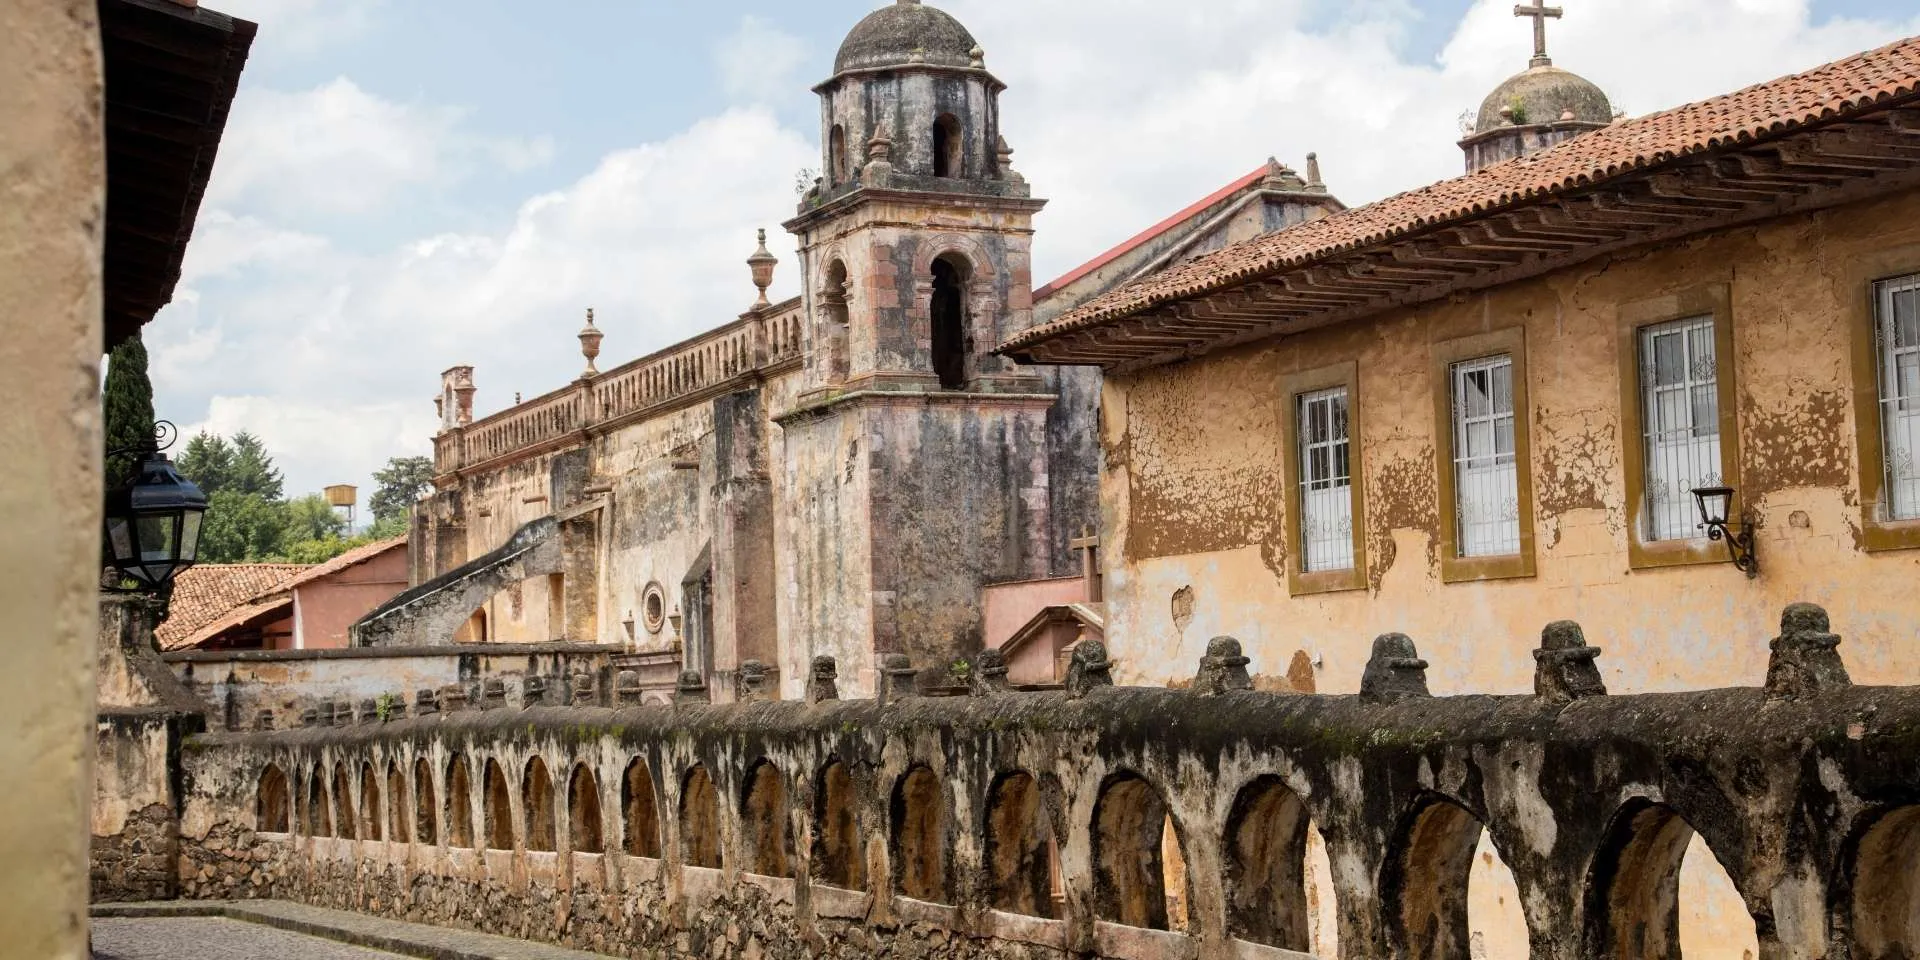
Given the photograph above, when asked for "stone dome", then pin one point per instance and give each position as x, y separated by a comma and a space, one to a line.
906, 32
1544, 94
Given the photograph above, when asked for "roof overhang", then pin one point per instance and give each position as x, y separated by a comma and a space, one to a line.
1391, 254
171, 73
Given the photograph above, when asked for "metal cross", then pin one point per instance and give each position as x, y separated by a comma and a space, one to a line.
1539, 11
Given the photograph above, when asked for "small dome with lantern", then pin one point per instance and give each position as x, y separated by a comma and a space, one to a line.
1544, 94
906, 32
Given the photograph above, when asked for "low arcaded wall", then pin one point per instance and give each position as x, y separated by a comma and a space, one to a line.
932, 826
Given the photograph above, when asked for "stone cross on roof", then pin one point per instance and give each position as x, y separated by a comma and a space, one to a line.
1539, 11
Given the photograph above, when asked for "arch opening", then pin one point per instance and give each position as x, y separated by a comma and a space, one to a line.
638, 809
948, 310
1266, 866
837, 170
318, 822
764, 813
699, 820
1021, 854
536, 793
1884, 912
343, 818
837, 858
1132, 832
396, 803
1655, 892
919, 836
1450, 895
497, 808
948, 160
834, 297
583, 811
370, 814
424, 829
459, 804
273, 810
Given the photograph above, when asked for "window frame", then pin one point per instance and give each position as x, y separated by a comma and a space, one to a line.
1301, 581
1868, 271
1714, 301
1512, 342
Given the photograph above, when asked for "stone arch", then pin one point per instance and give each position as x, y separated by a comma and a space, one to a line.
1654, 887
583, 811
837, 858
919, 811
459, 804
836, 295
317, 821
424, 828
763, 812
370, 810
699, 819
273, 802
497, 808
396, 805
1130, 825
1019, 847
1266, 848
343, 816
1879, 887
433, 612
639, 811
536, 798
837, 169
949, 323
1427, 880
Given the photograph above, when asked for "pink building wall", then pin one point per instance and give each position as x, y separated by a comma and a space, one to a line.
324, 608
1010, 605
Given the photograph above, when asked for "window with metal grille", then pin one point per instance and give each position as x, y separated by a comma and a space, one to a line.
1326, 481
1896, 334
1680, 423
1486, 479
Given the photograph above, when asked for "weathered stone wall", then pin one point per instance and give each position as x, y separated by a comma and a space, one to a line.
1802, 789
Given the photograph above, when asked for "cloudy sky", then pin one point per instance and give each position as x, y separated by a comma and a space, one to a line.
406, 185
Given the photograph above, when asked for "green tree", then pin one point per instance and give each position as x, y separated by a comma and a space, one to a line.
403, 481
241, 528
208, 462
253, 469
127, 403
312, 518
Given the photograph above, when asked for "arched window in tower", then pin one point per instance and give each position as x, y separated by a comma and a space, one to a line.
834, 299
947, 141
949, 312
837, 172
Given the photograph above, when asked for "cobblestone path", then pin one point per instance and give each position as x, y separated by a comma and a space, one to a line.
213, 938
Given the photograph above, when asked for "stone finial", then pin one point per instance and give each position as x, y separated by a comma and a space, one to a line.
493, 694
626, 688
897, 677
1805, 659
823, 680
533, 691
1563, 666
453, 698
753, 682
590, 337
1003, 162
1222, 669
691, 688
1279, 176
879, 168
989, 673
977, 57
1088, 669
585, 688
1314, 183
762, 263
425, 703
1395, 671
310, 717
343, 712
265, 720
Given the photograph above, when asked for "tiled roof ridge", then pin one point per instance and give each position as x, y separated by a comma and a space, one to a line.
1827, 93
1126, 246
352, 558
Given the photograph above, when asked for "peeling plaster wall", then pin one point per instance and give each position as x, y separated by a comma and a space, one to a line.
1192, 496
50, 276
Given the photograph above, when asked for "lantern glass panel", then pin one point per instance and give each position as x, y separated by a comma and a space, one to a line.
190, 536
120, 538
1714, 502
158, 535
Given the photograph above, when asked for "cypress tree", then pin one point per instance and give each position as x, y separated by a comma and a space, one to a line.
127, 400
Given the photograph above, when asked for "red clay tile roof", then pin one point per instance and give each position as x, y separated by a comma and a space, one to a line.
1149, 233
1836, 91
208, 592
352, 558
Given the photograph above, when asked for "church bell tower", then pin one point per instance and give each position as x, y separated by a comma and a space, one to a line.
915, 458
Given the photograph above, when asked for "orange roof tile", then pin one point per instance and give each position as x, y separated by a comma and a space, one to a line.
208, 592
352, 558
1836, 91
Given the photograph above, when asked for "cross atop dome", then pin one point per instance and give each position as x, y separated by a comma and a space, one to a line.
1540, 13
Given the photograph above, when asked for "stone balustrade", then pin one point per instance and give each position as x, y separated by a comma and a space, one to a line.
929, 826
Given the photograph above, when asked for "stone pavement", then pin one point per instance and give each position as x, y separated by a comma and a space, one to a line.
245, 930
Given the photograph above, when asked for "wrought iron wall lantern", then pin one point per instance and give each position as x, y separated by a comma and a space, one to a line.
1715, 505
153, 522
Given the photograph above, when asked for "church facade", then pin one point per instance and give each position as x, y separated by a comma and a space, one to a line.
849, 473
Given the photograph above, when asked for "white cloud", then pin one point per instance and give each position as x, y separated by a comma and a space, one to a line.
1123, 111
761, 63
338, 150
